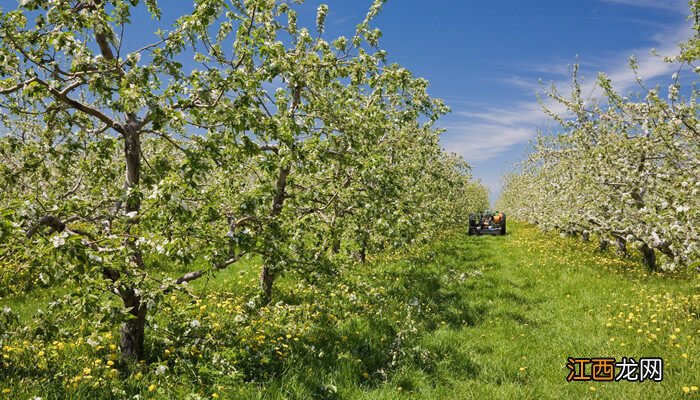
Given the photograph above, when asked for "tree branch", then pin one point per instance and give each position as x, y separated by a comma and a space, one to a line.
194, 275
17, 87
63, 97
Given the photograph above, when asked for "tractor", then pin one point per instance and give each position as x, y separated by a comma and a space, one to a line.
487, 223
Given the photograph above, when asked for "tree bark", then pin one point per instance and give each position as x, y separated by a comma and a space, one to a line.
362, 255
267, 278
335, 248
585, 237
132, 155
603, 244
132, 331
621, 246
649, 257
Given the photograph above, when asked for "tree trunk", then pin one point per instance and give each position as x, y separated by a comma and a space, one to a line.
649, 257
132, 331
267, 278
131, 341
586, 237
621, 246
362, 256
132, 155
603, 245
335, 249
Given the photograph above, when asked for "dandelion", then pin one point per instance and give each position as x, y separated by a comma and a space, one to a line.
161, 369
686, 389
152, 387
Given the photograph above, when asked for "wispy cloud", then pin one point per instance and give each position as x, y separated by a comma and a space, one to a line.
671, 5
483, 132
485, 141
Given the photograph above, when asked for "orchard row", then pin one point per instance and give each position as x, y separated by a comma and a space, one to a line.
233, 134
625, 169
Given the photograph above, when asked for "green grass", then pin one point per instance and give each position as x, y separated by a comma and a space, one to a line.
463, 318
550, 298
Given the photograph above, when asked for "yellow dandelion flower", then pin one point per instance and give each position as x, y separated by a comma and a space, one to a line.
592, 388
686, 389
152, 387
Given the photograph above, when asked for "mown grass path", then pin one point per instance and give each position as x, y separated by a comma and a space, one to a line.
547, 298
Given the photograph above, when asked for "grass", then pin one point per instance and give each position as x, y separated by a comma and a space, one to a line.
465, 317
550, 298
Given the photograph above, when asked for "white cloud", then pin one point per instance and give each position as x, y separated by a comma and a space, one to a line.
672, 5
485, 141
481, 133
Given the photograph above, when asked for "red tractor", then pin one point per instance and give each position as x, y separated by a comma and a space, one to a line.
487, 223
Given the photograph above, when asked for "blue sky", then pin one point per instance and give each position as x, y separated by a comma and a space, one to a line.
486, 59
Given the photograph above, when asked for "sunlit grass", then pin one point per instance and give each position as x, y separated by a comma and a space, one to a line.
466, 317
